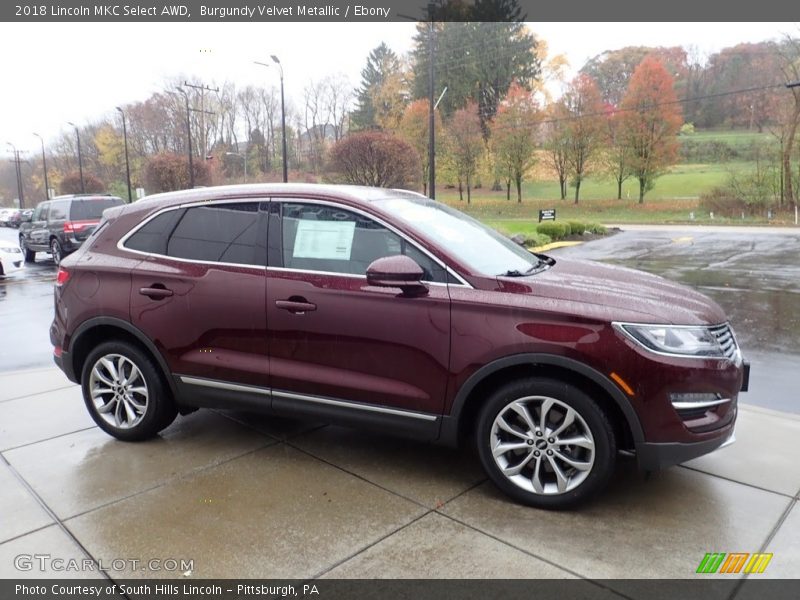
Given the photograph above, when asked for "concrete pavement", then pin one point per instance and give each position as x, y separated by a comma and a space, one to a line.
251, 496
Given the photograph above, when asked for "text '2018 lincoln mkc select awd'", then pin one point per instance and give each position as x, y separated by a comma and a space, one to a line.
383, 309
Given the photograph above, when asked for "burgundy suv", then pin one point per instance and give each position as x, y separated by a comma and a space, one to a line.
384, 309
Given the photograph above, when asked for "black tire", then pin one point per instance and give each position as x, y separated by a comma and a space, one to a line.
591, 426
30, 255
159, 410
56, 251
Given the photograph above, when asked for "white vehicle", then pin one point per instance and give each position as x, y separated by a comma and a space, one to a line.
6, 214
10, 259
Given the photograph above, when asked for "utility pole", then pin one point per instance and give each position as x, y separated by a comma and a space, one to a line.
18, 171
127, 161
431, 107
203, 89
189, 111
44, 164
80, 159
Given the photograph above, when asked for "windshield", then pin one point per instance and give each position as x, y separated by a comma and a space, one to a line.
480, 248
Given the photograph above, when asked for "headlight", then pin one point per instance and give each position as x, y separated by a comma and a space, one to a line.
674, 339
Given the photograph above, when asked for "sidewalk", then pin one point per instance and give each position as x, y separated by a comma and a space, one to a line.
249, 496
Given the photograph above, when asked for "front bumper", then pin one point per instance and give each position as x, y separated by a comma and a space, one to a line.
653, 457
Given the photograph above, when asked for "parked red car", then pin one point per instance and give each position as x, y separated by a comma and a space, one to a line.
384, 309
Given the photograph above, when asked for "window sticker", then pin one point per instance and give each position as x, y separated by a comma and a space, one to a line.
332, 240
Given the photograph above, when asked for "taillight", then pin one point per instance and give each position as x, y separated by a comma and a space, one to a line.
62, 276
69, 227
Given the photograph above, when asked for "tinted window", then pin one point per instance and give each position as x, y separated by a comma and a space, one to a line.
91, 210
326, 238
220, 233
58, 210
152, 236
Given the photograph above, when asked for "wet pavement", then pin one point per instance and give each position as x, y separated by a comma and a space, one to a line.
242, 495
753, 274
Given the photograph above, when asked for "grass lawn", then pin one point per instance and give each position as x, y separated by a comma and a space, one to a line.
675, 196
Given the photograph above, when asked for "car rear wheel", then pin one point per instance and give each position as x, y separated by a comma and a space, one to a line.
30, 255
55, 250
545, 443
124, 392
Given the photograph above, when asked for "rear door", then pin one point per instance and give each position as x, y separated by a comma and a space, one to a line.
339, 347
199, 294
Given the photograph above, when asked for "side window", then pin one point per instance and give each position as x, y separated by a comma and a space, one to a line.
152, 236
58, 211
220, 233
318, 237
40, 214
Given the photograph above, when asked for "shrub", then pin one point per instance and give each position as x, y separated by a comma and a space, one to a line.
577, 227
538, 239
748, 192
167, 172
71, 184
556, 231
596, 228
376, 158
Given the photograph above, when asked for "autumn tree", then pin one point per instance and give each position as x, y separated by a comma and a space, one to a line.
514, 137
617, 155
584, 127
71, 184
464, 143
375, 158
555, 141
415, 128
652, 119
166, 172
788, 114
613, 69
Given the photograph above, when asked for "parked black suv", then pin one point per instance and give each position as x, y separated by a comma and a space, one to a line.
59, 226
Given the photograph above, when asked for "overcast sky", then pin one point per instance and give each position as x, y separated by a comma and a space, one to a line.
52, 73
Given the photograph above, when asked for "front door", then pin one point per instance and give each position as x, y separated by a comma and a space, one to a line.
337, 343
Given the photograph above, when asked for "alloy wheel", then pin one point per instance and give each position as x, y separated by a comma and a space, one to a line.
119, 391
542, 445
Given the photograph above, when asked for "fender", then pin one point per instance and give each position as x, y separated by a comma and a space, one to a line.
135, 332
448, 434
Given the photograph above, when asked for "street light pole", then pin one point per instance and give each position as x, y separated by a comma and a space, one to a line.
80, 158
127, 161
283, 117
189, 136
44, 164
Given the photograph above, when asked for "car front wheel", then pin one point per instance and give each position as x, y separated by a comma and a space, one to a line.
124, 392
545, 443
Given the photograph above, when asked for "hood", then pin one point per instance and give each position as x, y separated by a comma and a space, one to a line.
627, 294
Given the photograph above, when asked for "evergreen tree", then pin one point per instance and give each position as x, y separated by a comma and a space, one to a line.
382, 66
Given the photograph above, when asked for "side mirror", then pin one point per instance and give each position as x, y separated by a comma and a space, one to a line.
397, 272
26, 217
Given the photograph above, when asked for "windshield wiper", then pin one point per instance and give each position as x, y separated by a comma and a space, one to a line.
518, 273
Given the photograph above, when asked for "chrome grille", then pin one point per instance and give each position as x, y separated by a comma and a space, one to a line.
727, 342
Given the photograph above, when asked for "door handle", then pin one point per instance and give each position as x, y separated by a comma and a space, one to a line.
297, 307
156, 293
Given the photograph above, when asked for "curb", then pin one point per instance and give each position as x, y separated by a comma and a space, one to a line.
554, 245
